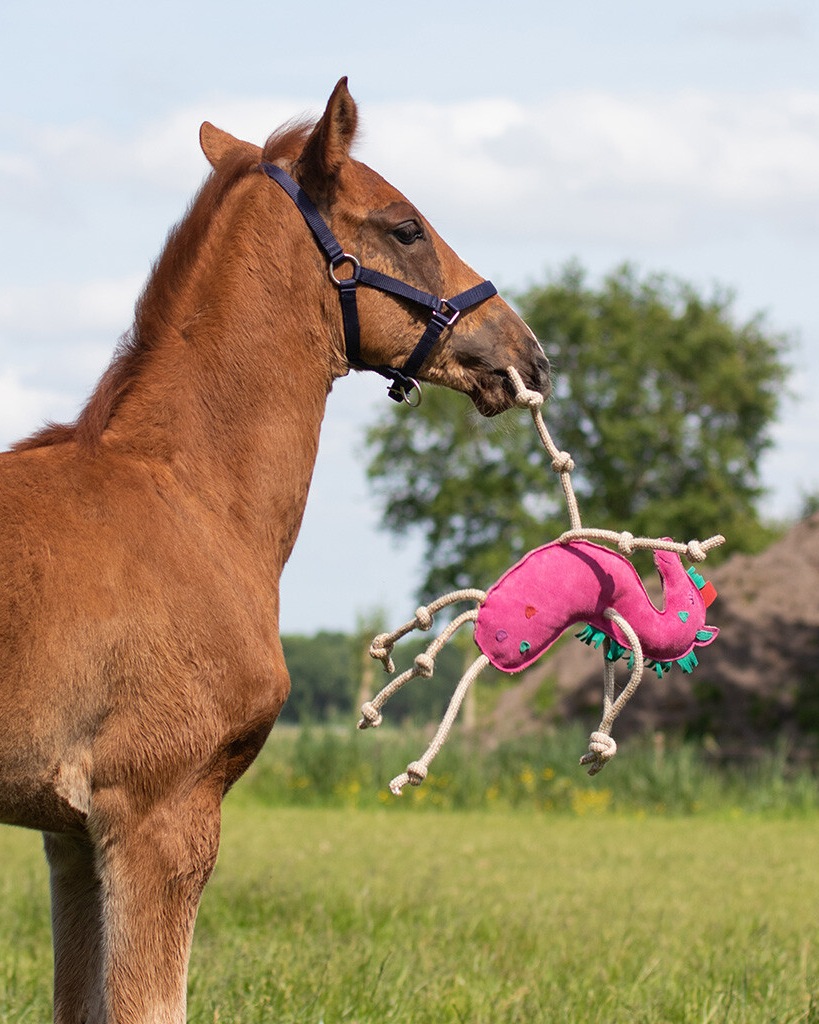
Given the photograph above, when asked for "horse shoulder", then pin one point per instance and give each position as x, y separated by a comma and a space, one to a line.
131, 626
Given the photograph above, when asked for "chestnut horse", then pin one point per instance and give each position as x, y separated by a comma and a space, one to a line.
141, 546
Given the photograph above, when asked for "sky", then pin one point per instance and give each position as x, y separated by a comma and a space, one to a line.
682, 138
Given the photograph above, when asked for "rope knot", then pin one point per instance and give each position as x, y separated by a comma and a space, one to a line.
370, 716
425, 664
423, 617
414, 775
563, 463
602, 749
695, 551
381, 649
527, 399
626, 543
417, 772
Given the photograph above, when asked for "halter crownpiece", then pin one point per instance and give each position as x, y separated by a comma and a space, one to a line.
444, 312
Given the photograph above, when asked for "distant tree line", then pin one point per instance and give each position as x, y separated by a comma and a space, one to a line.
326, 679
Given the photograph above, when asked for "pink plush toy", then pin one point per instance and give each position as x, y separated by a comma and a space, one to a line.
561, 584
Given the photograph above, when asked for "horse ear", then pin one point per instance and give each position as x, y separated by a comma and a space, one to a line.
328, 148
217, 144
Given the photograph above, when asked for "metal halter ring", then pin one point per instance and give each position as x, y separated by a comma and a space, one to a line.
345, 257
415, 388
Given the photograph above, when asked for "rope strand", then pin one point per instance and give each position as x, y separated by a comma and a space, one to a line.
417, 770
562, 462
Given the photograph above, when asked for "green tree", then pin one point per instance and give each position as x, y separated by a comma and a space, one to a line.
664, 401
809, 505
323, 677
326, 675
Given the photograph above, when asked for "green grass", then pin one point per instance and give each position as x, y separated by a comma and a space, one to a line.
492, 917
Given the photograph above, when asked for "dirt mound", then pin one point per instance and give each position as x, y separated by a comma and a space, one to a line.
760, 678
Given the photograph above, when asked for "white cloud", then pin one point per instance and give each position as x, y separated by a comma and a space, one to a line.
23, 408
591, 164
578, 162
163, 154
61, 336
102, 305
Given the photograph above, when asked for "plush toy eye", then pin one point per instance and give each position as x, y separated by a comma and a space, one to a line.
408, 232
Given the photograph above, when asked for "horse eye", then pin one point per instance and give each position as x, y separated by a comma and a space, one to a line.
408, 232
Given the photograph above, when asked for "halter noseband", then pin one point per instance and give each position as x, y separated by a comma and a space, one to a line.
444, 311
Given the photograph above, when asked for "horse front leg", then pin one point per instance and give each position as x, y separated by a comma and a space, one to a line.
76, 917
153, 864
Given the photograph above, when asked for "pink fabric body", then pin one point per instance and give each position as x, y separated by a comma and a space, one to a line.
560, 585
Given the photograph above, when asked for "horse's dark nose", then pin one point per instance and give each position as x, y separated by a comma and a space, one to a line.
534, 373
541, 375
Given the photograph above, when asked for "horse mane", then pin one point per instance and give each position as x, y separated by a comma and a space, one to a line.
158, 297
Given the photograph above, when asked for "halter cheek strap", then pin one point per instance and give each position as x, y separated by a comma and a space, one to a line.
444, 312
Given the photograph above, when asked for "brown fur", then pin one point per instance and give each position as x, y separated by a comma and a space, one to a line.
141, 547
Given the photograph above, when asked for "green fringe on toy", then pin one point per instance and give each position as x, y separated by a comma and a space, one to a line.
594, 638
591, 636
616, 651
688, 663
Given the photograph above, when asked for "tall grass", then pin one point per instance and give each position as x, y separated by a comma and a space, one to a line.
344, 767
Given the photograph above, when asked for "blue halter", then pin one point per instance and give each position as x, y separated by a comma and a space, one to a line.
444, 311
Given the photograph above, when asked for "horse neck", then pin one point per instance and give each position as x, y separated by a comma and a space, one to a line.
233, 396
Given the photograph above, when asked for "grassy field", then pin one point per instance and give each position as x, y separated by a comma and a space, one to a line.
328, 915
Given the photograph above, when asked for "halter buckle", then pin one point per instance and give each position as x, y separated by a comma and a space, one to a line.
449, 318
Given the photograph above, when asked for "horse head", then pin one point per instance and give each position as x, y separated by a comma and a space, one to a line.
384, 233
